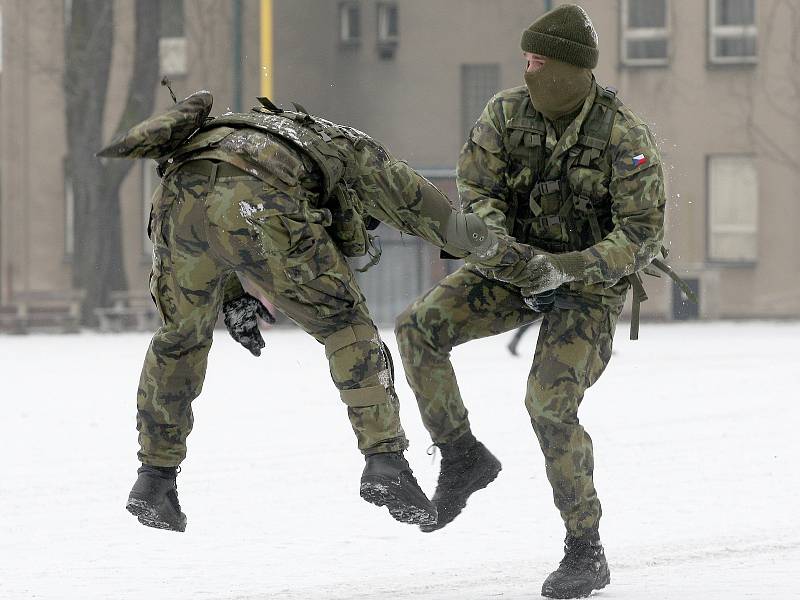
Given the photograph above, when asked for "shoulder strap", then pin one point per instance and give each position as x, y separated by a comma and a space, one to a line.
525, 123
596, 131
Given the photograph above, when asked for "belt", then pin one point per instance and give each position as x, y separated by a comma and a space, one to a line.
207, 167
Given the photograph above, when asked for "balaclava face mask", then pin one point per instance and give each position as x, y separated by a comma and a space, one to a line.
558, 88
566, 36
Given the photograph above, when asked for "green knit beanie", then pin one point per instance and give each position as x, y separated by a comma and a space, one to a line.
565, 33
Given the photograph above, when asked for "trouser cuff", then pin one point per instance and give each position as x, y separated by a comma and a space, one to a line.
394, 445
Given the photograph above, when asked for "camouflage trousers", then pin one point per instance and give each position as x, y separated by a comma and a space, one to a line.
205, 229
573, 349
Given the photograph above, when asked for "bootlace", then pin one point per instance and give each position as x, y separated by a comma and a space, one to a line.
432, 450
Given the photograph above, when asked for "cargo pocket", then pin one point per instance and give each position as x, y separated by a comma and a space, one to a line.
159, 233
320, 278
156, 277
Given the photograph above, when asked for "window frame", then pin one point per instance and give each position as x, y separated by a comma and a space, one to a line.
383, 9
711, 229
387, 42
716, 32
627, 33
346, 37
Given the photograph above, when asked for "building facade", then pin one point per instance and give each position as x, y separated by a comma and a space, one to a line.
715, 79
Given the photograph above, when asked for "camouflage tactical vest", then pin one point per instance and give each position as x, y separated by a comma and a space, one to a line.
572, 211
565, 213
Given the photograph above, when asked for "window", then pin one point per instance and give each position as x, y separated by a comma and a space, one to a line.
645, 33
172, 45
732, 209
733, 32
388, 29
349, 23
150, 183
478, 84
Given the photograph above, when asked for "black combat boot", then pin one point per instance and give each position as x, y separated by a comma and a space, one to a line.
467, 466
582, 570
387, 480
154, 499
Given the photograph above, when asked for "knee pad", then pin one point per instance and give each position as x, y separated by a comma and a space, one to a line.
343, 356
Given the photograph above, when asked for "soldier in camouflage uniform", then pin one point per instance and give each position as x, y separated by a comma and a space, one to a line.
278, 198
563, 165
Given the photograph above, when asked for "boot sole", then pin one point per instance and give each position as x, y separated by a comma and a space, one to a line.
382, 494
557, 595
479, 485
148, 515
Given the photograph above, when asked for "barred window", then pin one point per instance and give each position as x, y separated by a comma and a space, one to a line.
644, 32
732, 33
478, 84
732, 209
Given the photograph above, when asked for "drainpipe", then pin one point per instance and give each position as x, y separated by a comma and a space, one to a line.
237, 55
267, 74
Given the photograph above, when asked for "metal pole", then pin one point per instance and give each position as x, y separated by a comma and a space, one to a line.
267, 75
237, 55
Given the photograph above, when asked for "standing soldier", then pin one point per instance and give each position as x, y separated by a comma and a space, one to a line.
563, 165
280, 198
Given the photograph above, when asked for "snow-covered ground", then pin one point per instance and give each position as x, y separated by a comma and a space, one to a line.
695, 430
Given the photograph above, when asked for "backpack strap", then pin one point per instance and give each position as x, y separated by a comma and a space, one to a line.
639, 296
684, 287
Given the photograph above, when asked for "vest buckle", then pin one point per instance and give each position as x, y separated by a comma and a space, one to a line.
582, 204
544, 188
550, 220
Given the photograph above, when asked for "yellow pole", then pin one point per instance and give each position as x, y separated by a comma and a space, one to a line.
267, 72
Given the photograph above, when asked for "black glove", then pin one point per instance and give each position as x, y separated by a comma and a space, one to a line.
241, 319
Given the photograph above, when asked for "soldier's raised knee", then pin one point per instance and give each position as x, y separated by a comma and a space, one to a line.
552, 410
351, 352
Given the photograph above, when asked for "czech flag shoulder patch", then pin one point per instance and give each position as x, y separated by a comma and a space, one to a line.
639, 159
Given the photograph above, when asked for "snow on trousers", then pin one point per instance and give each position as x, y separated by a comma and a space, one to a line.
573, 349
203, 231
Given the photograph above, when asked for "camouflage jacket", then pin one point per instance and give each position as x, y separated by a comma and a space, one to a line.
506, 156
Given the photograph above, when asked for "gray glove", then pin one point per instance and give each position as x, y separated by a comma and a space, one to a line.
531, 269
241, 318
545, 272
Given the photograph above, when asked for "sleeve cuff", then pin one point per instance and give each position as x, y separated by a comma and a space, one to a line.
233, 289
573, 263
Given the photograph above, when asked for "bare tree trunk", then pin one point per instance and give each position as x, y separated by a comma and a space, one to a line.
98, 266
